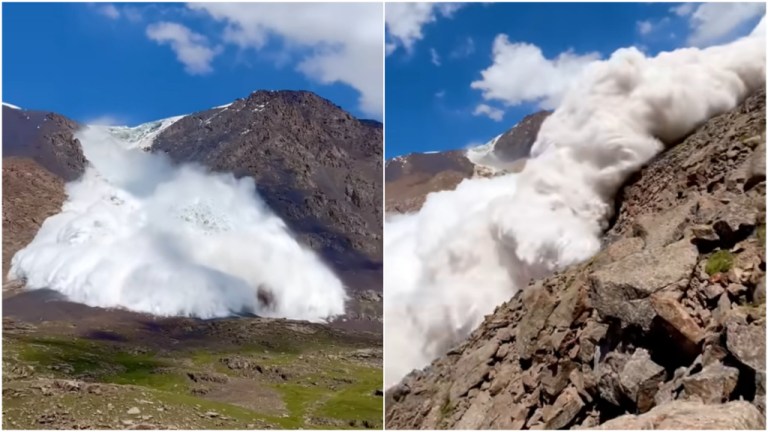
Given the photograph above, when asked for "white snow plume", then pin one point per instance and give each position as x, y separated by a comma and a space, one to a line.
468, 250
139, 233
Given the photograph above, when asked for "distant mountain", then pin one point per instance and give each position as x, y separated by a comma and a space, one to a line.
410, 178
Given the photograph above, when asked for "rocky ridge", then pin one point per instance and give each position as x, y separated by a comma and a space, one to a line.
410, 178
45, 137
664, 328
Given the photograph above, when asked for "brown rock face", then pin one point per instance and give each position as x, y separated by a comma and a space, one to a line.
516, 143
40, 154
315, 165
47, 138
409, 179
30, 195
692, 416
666, 324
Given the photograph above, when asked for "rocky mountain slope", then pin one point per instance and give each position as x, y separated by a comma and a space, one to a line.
31, 195
664, 328
317, 167
45, 137
409, 179
40, 154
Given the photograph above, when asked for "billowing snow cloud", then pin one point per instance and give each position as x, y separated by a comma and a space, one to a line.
715, 22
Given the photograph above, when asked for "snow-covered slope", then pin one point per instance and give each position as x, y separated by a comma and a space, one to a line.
11, 106
143, 135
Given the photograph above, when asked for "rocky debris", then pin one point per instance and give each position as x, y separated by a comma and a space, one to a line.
565, 408
640, 379
623, 289
714, 384
664, 328
472, 370
692, 416
747, 344
208, 377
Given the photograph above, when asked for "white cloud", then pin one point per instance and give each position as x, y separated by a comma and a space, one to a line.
192, 49
644, 27
338, 42
520, 73
464, 49
109, 11
435, 57
404, 21
440, 94
132, 14
491, 112
684, 9
714, 22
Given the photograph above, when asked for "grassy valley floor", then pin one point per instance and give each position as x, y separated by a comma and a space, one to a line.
132, 371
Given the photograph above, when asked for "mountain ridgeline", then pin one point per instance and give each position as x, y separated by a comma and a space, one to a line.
410, 178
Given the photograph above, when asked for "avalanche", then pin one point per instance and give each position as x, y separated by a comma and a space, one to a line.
466, 251
140, 233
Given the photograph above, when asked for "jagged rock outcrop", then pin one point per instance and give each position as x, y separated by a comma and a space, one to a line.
664, 328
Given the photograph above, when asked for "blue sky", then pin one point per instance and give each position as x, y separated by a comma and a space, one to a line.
435, 53
133, 63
